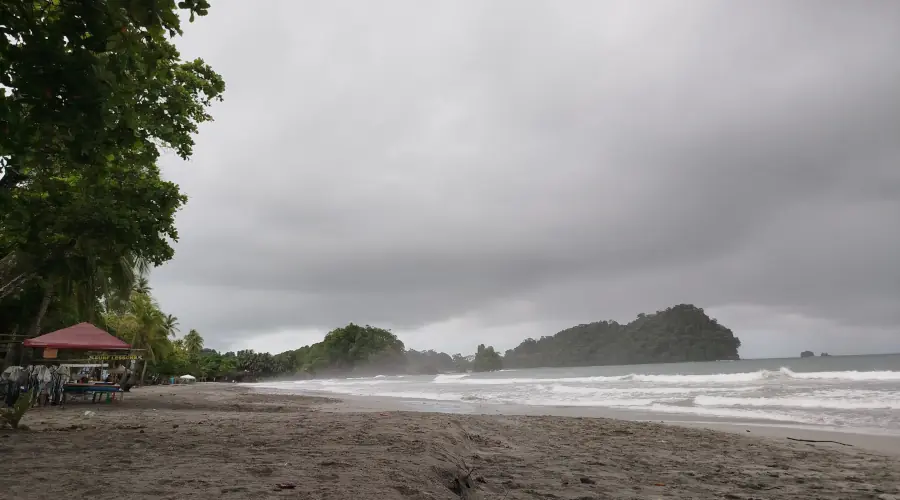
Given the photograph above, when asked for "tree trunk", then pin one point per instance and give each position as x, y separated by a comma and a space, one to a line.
16, 350
14, 272
143, 373
42, 311
12, 351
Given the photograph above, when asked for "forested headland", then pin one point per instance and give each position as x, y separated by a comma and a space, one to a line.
679, 333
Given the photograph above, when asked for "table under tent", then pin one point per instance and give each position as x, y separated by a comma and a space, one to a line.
81, 360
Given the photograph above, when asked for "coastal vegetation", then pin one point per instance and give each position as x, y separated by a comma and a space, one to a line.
680, 333
677, 334
13, 415
486, 360
91, 93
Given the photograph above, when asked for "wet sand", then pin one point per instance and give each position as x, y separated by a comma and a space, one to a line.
881, 442
223, 442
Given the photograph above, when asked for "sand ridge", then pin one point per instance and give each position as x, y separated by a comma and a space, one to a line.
225, 442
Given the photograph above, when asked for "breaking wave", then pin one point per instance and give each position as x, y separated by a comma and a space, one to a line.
851, 398
715, 378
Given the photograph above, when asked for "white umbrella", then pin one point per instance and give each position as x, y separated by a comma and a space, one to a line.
188, 377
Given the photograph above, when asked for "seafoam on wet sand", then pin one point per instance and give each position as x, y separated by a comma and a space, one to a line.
858, 393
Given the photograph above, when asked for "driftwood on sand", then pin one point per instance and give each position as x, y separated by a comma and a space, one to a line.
818, 441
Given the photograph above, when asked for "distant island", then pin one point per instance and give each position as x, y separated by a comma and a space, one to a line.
677, 334
807, 354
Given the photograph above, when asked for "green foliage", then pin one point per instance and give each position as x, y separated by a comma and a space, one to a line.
71, 224
349, 349
354, 345
185, 358
90, 93
171, 325
680, 333
429, 362
143, 325
12, 416
352, 348
462, 363
193, 344
213, 365
486, 360
89, 83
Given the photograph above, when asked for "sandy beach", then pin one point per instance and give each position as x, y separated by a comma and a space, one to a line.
225, 442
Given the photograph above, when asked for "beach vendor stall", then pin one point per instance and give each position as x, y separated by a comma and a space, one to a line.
96, 378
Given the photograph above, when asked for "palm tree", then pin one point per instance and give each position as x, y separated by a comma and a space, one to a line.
247, 360
193, 343
171, 325
144, 326
118, 281
142, 285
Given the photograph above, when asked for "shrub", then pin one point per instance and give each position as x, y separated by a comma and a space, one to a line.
13, 416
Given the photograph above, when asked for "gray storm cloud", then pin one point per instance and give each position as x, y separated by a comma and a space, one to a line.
405, 165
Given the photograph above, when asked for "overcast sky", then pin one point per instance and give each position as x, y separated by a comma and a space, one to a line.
466, 171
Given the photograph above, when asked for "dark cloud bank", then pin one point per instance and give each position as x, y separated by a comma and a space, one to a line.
483, 172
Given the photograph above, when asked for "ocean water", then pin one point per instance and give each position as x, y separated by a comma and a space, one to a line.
840, 392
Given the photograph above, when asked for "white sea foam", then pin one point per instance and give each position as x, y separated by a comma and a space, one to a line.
836, 398
717, 378
801, 402
449, 378
848, 375
778, 416
611, 391
604, 403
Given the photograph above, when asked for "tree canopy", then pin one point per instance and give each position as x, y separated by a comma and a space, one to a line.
430, 362
350, 349
486, 360
88, 83
90, 94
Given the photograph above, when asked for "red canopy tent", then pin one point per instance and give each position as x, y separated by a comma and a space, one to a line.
83, 336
